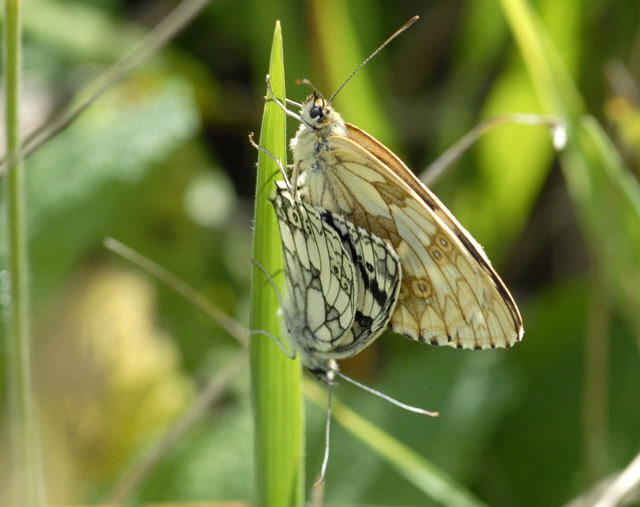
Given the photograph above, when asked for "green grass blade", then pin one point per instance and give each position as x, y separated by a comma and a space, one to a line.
607, 197
415, 468
277, 399
556, 90
25, 443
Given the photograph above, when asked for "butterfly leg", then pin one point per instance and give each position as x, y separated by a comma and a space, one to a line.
278, 342
295, 172
293, 103
281, 346
279, 163
283, 104
270, 280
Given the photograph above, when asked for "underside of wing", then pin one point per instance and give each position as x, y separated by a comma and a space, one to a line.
378, 277
320, 277
450, 294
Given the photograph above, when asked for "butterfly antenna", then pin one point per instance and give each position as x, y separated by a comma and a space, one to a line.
305, 81
368, 59
387, 397
327, 435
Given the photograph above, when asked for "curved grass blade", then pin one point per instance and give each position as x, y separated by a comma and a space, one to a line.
606, 194
607, 198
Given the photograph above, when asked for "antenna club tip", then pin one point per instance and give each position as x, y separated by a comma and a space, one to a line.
304, 81
424, 412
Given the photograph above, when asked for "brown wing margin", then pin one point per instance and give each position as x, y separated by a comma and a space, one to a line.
391, 160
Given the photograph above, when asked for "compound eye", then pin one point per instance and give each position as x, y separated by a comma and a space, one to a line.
315, 112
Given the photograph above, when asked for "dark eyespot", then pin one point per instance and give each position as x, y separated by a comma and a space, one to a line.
315, 112
293, 217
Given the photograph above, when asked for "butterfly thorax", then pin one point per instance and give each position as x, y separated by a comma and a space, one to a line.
312, 149
319, 121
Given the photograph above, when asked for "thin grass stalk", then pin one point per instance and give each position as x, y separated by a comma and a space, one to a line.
425, 476
276, 379
25, 449
155, 40
607, 199
596, 385
421, 472
217, 386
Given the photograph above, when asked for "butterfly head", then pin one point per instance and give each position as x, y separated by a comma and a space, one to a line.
317, 112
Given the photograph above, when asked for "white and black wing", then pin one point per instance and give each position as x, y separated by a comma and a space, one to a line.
378, 277
320, 302
342, 281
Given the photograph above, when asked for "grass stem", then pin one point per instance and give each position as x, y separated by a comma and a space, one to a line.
25, 444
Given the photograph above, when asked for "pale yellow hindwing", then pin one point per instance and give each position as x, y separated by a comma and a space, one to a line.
450, 294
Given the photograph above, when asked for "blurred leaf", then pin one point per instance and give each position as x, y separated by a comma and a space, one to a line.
513, 161
609, 197
84, 169
96, 34
114, 385
215, 459
118, 140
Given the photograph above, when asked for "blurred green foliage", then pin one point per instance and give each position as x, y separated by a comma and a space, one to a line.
161, 162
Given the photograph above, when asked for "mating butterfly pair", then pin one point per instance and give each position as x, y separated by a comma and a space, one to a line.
350, 187
360, 192
367, 245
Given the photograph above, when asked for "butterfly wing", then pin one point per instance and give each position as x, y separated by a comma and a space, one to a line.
378, 277
450, 294
342, 281
320, 300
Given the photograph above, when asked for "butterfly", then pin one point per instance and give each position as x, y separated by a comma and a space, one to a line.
342, 283
450, 294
